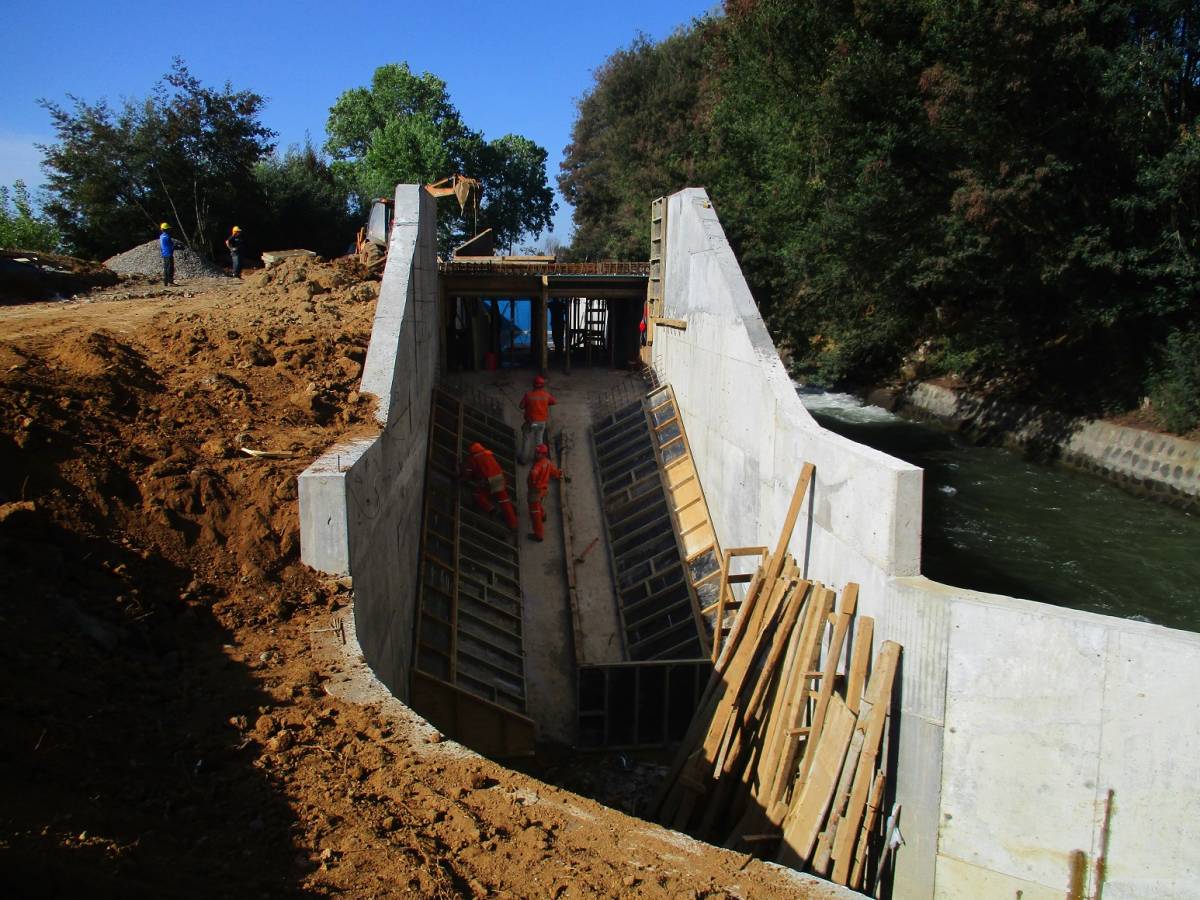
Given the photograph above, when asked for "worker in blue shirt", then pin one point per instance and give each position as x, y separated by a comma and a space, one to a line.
168, 253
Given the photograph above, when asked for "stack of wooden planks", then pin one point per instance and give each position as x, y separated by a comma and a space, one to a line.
785, 756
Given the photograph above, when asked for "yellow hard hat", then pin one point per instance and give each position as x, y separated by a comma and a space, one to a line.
163, 227
236, 229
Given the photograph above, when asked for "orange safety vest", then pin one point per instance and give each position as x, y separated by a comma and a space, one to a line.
537, 405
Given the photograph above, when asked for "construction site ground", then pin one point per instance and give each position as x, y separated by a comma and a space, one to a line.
178, 713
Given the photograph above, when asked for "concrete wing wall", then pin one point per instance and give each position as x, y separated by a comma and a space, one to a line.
360, 503
1016, 718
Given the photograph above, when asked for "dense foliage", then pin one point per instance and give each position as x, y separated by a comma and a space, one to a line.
21, 228
185, 155
404, 129
303, 205
1009, 191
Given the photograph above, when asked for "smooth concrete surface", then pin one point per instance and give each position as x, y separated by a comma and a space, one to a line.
1016, 718
360, 503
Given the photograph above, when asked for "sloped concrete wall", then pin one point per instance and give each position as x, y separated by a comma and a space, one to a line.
360, 503
1016, 718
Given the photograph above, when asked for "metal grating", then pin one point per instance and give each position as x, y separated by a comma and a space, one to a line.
639, 705
469, 631
659, 612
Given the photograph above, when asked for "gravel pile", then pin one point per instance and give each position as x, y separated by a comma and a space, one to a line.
146, 259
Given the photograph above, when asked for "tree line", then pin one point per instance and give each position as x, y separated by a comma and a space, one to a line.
1004, 191
201, 159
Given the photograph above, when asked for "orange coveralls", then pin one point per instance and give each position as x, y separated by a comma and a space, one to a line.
490, 485
539, 485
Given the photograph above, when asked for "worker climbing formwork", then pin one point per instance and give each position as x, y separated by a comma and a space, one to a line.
481, 468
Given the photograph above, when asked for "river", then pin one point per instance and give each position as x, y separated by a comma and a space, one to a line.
996, 522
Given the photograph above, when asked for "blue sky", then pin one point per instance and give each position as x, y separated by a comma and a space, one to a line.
514, 67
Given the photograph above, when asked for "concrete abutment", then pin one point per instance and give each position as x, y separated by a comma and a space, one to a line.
1016, 719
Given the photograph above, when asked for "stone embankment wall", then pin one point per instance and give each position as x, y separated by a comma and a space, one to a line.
360, 503
1161, 466
1023, 728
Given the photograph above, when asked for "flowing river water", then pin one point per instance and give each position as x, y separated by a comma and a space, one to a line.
996, 522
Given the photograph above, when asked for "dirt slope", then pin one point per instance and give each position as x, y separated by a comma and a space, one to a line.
165, 727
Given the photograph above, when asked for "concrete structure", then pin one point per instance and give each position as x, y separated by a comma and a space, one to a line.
1023, 727
360, 503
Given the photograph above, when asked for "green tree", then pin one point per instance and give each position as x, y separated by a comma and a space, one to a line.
304, 204
635, 138
20, 227
185, 154
404, 129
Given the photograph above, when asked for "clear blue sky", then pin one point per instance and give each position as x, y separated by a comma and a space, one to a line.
514, 67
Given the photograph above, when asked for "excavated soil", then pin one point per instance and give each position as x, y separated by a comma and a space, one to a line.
167, 724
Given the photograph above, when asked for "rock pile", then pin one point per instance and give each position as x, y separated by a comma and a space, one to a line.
146, 259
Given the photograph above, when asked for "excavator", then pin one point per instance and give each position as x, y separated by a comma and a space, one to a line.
370, 246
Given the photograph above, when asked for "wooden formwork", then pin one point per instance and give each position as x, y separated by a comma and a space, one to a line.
469, 673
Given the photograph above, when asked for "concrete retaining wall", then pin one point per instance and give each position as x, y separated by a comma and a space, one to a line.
360, 503
1016, 718
1162, 466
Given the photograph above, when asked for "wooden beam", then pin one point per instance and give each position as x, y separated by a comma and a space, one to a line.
679, 324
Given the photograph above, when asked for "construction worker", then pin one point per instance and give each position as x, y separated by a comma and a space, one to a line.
481, 467
536, 404
234, 244
539, 485
167, 246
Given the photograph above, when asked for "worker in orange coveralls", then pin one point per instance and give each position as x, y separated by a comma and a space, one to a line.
539, 485
481, 467
536, 404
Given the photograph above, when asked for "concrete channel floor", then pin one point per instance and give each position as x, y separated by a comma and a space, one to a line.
550, 655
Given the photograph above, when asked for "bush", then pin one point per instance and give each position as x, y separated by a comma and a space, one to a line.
20, 229
1174, 384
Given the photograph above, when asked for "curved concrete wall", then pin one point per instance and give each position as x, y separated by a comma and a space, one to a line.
360, 503
1016, 719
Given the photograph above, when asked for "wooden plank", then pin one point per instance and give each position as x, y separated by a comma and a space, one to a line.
758, 777
779, 643
775, 566
864, 837
833, 656
871, 720
680, 324
807, 814
860, 659
837, 809
796, 706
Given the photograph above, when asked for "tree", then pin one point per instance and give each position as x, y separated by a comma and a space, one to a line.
636, 137
304, 205
404, 129
185, 155
20, 227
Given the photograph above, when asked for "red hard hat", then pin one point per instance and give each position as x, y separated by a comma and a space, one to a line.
539, 381
476, 447
542, 450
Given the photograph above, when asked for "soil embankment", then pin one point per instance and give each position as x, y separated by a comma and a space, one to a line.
168, 725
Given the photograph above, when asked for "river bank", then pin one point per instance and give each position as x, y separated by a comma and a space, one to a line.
1159, 466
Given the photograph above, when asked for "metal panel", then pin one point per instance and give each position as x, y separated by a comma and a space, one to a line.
469, 642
